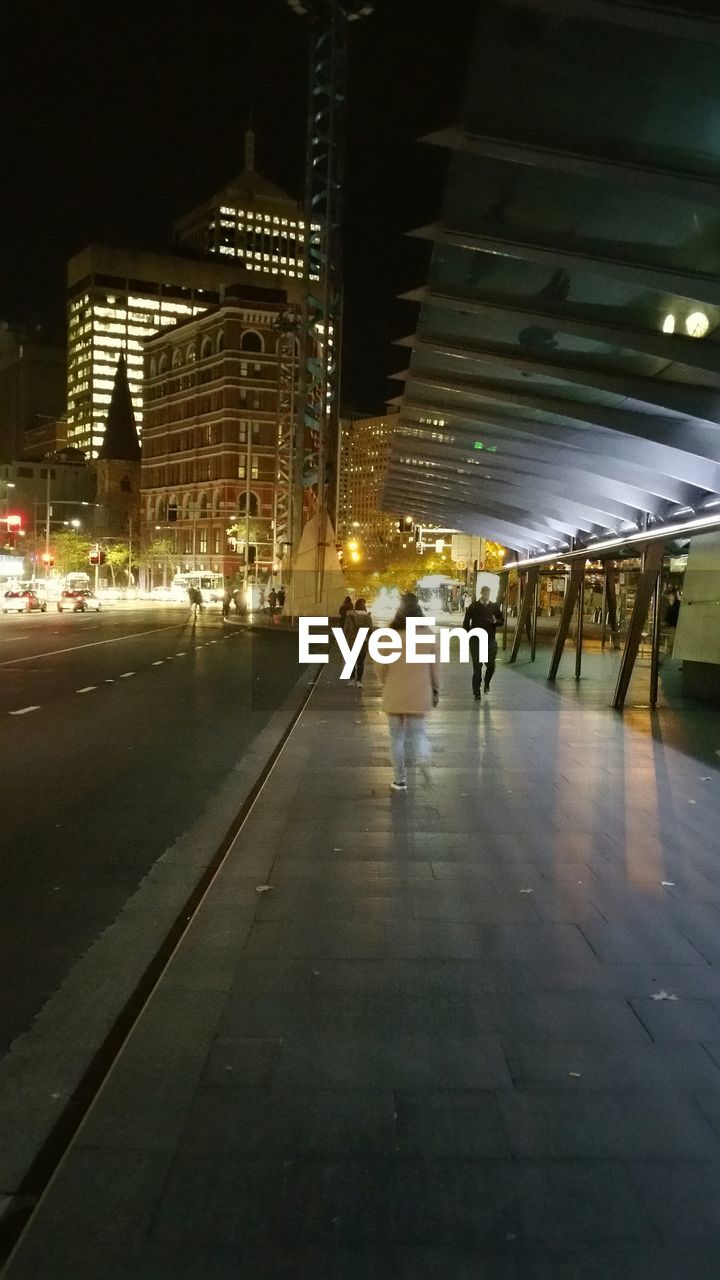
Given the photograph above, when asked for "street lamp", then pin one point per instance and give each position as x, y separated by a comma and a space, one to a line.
8, 485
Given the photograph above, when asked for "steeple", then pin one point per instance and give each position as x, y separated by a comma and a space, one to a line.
120, 443
249, 150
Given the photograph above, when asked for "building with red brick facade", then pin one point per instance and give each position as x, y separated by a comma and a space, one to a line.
219, 408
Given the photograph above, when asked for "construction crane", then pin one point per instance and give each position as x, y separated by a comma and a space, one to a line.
321, 324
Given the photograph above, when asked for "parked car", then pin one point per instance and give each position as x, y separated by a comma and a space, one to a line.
78, 601
24, 601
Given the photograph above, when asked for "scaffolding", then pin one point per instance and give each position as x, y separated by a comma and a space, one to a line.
321, 326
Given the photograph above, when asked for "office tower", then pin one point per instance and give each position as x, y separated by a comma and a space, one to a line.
364, 453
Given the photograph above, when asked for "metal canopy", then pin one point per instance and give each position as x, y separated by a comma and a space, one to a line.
564, 379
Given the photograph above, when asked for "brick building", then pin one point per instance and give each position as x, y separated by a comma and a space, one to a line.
219, 409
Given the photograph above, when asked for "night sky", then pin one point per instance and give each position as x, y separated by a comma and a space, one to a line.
117, 119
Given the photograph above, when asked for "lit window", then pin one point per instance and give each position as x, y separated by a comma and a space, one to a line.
697, 324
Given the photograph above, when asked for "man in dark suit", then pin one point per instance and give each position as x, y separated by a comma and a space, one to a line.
487, 615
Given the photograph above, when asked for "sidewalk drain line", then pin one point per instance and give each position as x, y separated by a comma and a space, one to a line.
31, 1190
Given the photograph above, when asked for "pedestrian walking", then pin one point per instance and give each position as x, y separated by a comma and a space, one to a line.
272, 600
355, 619
281, 599
226, 600
346, 604
410, 691
488, 616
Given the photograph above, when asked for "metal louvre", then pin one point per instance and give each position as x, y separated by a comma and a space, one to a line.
564, 379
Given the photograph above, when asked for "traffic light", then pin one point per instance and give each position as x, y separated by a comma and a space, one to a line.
96, 556
48, 559
13, 522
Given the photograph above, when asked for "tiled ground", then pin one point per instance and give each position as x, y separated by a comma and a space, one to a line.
471, 1031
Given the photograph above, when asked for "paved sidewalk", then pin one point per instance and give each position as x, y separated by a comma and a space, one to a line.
471, 1031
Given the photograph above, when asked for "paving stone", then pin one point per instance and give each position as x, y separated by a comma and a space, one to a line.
241, 1061
682, 1200
557, 944
578, 1065
460, 1123
577, 1204
392, 1060
600, 1125
615, 944
680, 1019
342, 1012
273, 1122
565, 1016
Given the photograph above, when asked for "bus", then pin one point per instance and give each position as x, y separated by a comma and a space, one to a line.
210, 585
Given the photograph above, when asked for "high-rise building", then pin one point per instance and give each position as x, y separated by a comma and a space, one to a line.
218, 409
364, 453
120, 297
250, 220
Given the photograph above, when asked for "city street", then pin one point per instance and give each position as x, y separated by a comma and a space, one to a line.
116, 730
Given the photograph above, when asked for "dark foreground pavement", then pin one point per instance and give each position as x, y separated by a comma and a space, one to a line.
471, 1031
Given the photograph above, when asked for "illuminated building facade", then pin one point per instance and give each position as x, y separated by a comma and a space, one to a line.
250, 220
212, 479
117, 299
364, 453
120, 297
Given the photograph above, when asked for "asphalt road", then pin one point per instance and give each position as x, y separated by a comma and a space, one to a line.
115, 730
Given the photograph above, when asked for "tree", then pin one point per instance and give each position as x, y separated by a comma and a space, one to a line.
71, 551
117, 556
161, 549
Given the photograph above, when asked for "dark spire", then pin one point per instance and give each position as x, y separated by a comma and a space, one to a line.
120, 443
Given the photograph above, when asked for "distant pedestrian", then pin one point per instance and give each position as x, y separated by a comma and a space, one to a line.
488, 616
272, 599
346, 604
281, 598
226, 601
410, 691
355, 619
195, 598
239, 600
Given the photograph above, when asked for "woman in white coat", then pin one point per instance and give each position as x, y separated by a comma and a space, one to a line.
410, 691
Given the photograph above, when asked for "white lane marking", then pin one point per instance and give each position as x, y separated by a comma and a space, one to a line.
110, 680
168, 657
158, 663
181, 654
135, 635
88, 688
12, 639
126, 675
24, 710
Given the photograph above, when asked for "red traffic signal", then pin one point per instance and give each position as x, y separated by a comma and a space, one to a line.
97, 556
13, 521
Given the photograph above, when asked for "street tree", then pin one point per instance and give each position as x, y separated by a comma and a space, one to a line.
71, 551
117, 555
